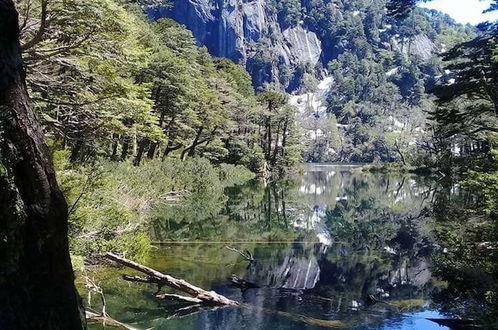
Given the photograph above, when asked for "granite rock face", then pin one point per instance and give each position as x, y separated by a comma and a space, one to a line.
420, 46
300, 46
243, 29
249, 32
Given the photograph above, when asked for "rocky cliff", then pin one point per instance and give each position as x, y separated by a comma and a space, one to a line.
257, 34
248, 32
347, 64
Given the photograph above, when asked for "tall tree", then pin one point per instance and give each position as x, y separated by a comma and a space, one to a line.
36, 279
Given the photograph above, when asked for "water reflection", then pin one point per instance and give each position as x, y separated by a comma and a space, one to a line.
332, 248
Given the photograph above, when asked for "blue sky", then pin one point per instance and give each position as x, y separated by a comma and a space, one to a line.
463, 11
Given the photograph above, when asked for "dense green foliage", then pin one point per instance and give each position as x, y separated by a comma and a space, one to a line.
464, 149
383, 68
148, 130
379, 92
112, 204
113, 89
110, 84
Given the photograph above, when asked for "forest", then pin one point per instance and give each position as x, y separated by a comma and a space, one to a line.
201, 141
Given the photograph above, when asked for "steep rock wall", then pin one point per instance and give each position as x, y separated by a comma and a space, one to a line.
247, 32
256, 34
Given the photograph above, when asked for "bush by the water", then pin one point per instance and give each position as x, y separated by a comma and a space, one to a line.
110, 203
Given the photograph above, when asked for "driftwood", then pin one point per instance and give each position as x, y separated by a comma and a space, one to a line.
191, 310
102, 317
153, 276
200, 299
177, 297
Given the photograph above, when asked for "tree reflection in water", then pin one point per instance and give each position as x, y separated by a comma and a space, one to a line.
332, 245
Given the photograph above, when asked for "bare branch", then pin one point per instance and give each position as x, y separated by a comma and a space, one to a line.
246, 255
207, 297
41, 29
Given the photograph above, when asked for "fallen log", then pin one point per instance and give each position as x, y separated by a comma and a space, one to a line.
206, 297
177, 297
202, 299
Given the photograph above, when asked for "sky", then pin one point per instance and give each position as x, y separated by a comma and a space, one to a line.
463, 11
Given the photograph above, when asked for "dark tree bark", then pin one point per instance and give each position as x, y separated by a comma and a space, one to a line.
190, 150
276, 148
169, 148
114, 147
126, 147
284, 137
192, 145
141, 150
36, 278
153, 145
152, 150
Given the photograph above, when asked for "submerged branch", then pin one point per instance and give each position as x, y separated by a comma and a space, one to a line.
246, 255
176, 297
92, 317
207, 297
204, 300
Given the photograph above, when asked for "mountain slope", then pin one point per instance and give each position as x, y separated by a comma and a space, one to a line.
381, 68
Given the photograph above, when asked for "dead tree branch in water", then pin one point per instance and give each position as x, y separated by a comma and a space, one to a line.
177, 297
92, 317
246, 254
103, 317
202, 299
153, 276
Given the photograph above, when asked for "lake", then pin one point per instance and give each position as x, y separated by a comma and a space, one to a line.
333, 248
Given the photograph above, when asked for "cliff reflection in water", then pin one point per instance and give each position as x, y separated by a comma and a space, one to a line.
331, 245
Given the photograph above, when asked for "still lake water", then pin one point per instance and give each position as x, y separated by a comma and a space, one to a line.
334, 248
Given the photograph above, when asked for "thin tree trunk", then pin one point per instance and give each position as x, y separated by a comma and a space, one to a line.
268, 136
170, 148
275, 148
284, 137
141, 150
36, 278
126, 147
153, 145
400, 153
115, 144
152, 150
192, 145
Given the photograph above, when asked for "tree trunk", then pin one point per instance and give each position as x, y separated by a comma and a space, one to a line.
284, 137
115, 145
192, 145
400, 153
154, 276
36, 278
169, 148
268, 136
126, 147
152, 150
276, 148
153, 146
141, 150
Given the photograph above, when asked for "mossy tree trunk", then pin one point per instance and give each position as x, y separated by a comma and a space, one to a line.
36, 279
